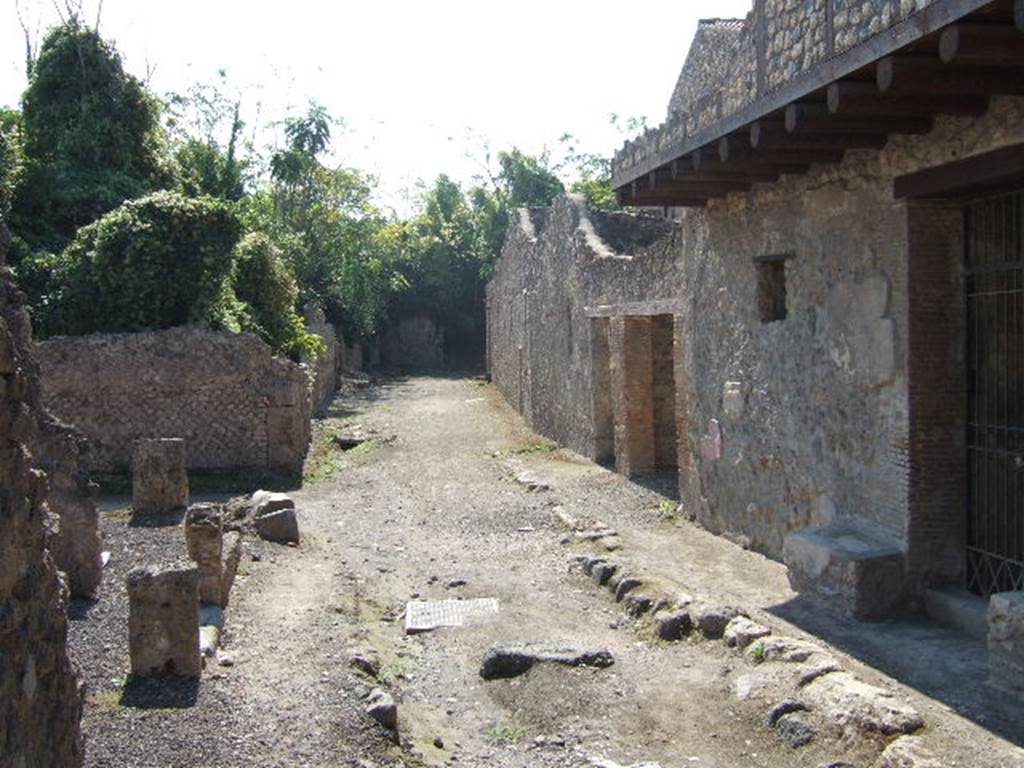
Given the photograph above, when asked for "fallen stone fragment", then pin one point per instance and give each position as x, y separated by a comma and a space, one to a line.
907, 752
587, 563
741, 632
454, 583
817, 668
626, 585
675, 626
837, 764
637, 604
855, 706
504, 662
786, 707
365, 662
712, 619
602, 572
596, 535
549, 741
796, 730
280, 526
381, 707
265, 502
787, 649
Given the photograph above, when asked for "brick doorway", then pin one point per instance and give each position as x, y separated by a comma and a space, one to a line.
641, 392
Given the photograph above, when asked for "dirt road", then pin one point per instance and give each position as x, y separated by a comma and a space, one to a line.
438, 513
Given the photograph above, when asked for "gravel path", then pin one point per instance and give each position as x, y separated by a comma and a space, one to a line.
435, 513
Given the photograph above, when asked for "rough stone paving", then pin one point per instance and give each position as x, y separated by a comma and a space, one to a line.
314, 645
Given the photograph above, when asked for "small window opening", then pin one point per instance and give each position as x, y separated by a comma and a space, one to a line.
771, 288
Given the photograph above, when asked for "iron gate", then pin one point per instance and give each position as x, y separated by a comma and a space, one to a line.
994, 283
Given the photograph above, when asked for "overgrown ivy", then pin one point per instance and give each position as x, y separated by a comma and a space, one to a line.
156, 262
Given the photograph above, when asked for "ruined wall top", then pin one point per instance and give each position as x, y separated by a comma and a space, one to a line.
733, 62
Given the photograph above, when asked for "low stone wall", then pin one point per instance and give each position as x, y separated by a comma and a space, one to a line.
235, 404
40, 701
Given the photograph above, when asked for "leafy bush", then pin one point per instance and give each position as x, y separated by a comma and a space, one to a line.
266, 287
157, 262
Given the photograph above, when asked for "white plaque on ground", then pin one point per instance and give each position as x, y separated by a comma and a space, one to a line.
426, 615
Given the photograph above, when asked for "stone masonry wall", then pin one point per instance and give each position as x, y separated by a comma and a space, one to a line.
413, 342
733, 62
811, 412
40, 699
234, 403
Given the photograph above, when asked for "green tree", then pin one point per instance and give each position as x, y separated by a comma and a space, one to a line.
205, 128
339, 245
91, 138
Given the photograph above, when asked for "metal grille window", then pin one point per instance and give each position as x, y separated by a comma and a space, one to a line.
994, 282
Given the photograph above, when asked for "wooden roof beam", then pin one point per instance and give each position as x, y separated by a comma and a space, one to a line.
737, 147
926, 74
998, 45
772, 134
661, 180
864, 99
809, 117
706, 160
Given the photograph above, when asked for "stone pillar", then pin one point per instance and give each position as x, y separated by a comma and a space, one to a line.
601, 392
204, 535
159, 478
163, 621
1006, 640
632, 385
76, 545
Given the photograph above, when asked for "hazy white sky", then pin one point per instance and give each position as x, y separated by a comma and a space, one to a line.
421, 85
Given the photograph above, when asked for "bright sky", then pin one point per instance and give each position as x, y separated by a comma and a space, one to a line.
423, 85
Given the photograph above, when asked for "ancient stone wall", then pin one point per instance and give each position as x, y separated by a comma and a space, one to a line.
323, 371
788, 422
413, 342
233, 402
40, 699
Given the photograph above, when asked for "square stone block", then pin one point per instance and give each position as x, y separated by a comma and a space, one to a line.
858, 571
159, 477
163, 621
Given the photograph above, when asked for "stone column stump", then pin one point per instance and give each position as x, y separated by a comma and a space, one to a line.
159, 477
163, 621
204, 536
1006, 640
